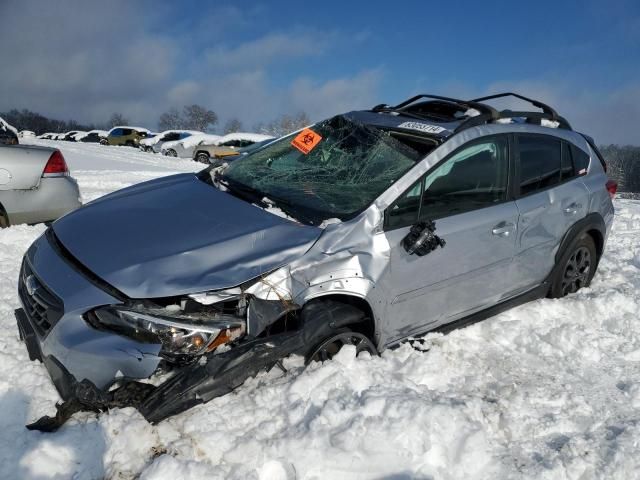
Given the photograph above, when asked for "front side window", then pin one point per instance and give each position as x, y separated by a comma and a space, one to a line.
540, 162
474, 177
117, 132
348, 166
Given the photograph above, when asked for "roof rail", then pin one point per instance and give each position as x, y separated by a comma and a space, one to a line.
464, 104
488, 114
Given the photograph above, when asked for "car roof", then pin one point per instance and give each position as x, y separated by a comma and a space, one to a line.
441, 117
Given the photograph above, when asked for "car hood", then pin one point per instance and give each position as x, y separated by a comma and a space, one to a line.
179, 235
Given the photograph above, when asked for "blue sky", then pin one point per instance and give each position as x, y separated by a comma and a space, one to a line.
256, 60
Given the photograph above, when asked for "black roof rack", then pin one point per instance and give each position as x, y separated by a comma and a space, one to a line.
488, 114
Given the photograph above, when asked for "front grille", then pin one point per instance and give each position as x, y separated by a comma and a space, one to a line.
42, 307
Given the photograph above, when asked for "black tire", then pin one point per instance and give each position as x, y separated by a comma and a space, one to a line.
328, 348
129, 143
576, 267
172, 153
4, 218
104, 142
202, 157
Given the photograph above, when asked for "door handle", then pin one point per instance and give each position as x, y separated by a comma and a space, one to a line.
572, 209
503, 229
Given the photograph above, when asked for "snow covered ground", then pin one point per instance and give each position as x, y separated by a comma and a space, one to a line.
550, 390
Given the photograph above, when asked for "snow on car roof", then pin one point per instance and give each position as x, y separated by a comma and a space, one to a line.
156, 138
139, 129
194, 140
101, 133
253, 137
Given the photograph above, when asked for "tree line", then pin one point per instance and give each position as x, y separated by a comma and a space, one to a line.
623, 161
191, 117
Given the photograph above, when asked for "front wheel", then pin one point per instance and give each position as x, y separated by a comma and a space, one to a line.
332, 345
576, 268
172, 153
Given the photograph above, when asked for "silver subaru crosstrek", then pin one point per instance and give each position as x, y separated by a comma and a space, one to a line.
368, 228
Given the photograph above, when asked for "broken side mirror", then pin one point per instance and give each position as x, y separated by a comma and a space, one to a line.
422, 239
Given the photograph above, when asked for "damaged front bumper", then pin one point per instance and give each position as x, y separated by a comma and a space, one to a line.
96, 369
214, 375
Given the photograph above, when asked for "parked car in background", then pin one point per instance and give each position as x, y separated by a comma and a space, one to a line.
92, 136
238, 153
35, 185
184, 148
26, 133
46, 136
8, 134
364, 229
226, 146
154, 144
125, 136
72, 136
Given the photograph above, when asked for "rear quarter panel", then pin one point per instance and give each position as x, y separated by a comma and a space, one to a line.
21, 166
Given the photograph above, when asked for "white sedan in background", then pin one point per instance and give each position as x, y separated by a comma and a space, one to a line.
184, 148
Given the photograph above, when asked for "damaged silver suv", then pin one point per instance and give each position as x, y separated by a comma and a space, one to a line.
367, 228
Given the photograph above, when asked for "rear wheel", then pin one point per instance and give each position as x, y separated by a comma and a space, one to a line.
576, 267
202, 157
172, 153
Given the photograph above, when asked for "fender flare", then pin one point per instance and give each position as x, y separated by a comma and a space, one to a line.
592, 222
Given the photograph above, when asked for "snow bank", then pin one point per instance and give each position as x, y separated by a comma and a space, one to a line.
549, 390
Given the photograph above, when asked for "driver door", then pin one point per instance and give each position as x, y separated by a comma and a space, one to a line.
467, 195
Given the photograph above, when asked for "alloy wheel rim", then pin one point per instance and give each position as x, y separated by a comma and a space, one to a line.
328, 349
576, 271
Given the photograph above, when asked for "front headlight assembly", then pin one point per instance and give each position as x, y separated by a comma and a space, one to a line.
179, 334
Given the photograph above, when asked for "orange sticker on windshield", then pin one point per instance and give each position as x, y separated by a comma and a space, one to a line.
306, 140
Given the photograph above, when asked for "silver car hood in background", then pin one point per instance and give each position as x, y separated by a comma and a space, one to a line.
179, 235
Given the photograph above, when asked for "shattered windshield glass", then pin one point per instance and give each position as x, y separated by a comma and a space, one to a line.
335, 169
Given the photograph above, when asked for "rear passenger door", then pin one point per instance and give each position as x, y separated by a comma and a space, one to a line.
550, 198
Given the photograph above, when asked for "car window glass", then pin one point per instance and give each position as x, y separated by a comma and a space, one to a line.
405, 210
566, 167
126, 131
117, 131
540, 160
580, 160
474, 177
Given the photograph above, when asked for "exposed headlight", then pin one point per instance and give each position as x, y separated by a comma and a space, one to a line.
179, 334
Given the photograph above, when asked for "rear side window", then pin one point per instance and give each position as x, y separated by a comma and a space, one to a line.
566, 166
540, 162
117, 132
580, 160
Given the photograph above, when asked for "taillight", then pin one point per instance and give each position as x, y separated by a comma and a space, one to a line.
612, 188
56, 166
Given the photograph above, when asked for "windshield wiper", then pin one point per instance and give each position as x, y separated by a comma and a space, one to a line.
245, 191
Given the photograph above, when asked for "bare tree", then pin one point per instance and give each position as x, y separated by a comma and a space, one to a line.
170, 120
117, 119
196, 117
233, 125
285, 124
